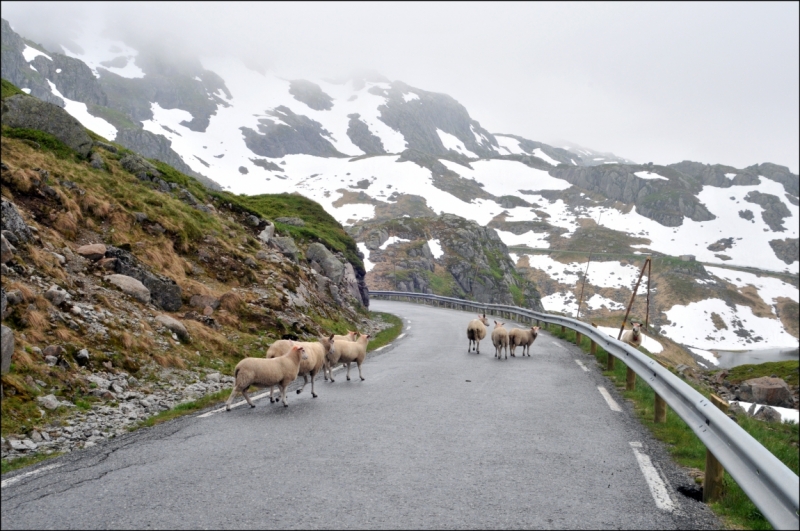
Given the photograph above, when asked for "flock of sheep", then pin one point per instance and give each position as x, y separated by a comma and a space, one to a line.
502, 339
286, 360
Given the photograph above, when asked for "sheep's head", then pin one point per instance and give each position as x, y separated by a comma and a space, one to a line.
636, 328
303, 355
365, 337
483, 319
535, 330
498, 325
352, 334
327, 342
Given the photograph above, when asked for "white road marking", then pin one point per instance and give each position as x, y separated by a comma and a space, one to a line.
584, 367
9, 481
408, 327
611, 402
654, 481
559, 345
253, 398
401, 335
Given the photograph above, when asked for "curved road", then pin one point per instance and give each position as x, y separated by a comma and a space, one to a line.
434, 438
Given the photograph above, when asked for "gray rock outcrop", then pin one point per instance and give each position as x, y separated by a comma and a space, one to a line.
295, 134
325, 262
163, 291
24, 112
311, 94
774, 210
6, 348
786, 250
174, 325
131, 286
361, 136
766, 390
13, 222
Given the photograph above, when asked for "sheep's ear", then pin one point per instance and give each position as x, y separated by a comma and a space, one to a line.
331, 338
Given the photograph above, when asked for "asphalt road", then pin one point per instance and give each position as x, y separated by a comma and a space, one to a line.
433, 438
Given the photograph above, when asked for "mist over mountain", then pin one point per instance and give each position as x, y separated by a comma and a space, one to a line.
437, 201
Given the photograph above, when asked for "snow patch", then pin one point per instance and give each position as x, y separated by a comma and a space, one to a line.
30, 53
80, 112
392, 240
452, 142
410, 96
542, 155
367, 264
436, 248
787, 414
650, 175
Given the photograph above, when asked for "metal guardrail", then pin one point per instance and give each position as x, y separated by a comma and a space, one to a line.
769, 484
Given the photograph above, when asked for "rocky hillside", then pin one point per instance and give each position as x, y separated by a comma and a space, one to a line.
446, 255
128, 287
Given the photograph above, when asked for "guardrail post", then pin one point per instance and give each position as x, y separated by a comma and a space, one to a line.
611, 362
578, 338
713, 480
630, 383
563, 329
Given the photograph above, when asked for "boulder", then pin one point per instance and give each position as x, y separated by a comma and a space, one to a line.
287, 247
767, 414
49, 401
201, 301
3, 303
330, 266
175, 326
96, 161
164, 291
766, 390
24, 112
252, 220
267, 233
6, 348
296, 222
736, 409
53, 350
92, 251
82, 357
13, 223
56, 295
131, 286
6, 250
141, 168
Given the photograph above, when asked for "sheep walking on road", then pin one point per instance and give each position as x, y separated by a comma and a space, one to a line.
348, 352
524, 338
349, 337
476, 330
262, 372
500, 340
633, 337
317, 353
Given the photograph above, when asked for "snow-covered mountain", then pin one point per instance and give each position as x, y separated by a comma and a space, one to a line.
370, 150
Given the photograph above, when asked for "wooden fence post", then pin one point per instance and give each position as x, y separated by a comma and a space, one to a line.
578, 338
593, 346
661, 406
630, 383
713, 480
563, 329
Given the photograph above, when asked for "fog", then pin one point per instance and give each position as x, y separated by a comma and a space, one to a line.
652, 82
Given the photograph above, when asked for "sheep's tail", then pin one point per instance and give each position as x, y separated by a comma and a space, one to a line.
236, 373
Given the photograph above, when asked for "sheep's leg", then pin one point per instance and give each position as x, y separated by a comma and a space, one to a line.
477, 346
247, 397
230, 398
272, 400
359, 370
313, 377
348, 371
283, 394
305, 382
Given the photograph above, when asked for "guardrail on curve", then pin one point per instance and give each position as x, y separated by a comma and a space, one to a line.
769, 483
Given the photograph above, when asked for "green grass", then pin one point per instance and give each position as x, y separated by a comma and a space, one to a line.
28, 460
384, 337
687, 450
788, 370
9, 89
45, 141
182, 409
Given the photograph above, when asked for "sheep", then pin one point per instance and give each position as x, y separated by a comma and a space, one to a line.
476, 330
348, 352
518, 337
633, 337
317, 353
499, 339
349, 337
265, 373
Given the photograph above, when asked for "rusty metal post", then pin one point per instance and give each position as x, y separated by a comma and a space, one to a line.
633, 296
713, 480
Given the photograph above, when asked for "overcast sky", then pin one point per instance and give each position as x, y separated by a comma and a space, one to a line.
663, 82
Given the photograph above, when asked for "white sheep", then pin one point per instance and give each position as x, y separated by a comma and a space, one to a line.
476, 330
633, 337
348, 352
499, 339
350, 336
265, 373
524, 338
317, 353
